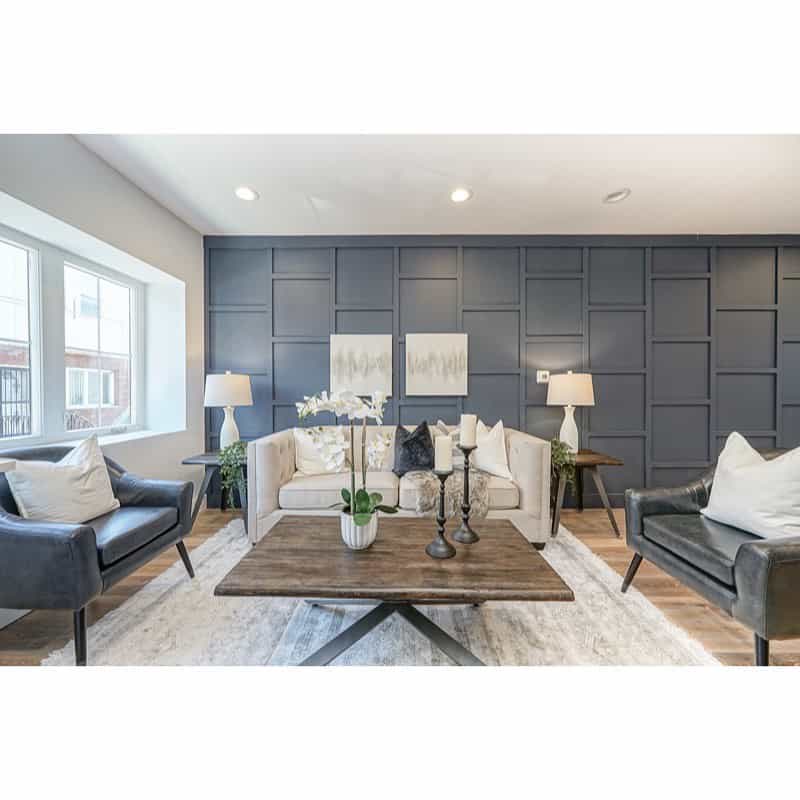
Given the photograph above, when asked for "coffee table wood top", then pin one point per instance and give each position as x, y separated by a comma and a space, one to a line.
304, 556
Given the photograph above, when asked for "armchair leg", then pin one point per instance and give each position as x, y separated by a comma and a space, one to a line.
79, 625
631, 573
185, 558
762, 652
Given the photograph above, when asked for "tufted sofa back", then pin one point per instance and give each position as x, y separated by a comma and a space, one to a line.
373, 430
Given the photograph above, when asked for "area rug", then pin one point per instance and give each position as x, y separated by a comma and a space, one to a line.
175, 621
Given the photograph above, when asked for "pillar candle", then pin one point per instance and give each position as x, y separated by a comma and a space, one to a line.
469, 423
443, 454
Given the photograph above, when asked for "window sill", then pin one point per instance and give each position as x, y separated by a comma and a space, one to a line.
103, 439
131, 436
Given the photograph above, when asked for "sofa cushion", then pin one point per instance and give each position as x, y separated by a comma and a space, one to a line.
709, 546
323, 491
503, 494
128, 528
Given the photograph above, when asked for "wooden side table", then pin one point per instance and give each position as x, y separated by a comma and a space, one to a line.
211, 463
587, 460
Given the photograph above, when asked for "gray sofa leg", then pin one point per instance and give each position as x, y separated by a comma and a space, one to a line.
762, 652
631, 573
185, 558
79, 626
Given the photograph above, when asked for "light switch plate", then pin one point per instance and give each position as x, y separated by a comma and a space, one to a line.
542, 376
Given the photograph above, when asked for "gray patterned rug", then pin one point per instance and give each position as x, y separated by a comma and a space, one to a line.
175, 621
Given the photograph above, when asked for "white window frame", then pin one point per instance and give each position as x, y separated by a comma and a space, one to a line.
134, 345
86, 371
34, 335
47, 339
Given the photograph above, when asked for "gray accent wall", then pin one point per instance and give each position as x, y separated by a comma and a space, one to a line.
688, 338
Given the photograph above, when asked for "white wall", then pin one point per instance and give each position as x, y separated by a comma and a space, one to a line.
59, 176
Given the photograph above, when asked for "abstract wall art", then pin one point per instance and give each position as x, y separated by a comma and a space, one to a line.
436, 364
361, 364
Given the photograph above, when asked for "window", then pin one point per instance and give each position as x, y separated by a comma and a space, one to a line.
98, 347
83, 389
18, 411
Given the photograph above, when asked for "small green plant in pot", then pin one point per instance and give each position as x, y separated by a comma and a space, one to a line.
231, 467
562, 464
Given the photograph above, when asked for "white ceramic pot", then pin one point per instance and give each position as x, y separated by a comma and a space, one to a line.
359, 537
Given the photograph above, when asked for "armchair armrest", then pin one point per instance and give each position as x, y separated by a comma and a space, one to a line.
47, 564
529, 462
767, 577
270, 464
641, 503
132, 490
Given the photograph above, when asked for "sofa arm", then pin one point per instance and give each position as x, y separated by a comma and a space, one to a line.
641, 503
47, 564
529, 462
767, 577
270, 464
135, 491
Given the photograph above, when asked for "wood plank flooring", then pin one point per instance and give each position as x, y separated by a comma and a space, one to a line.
28, 640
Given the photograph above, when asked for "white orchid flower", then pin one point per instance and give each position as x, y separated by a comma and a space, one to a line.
376, 449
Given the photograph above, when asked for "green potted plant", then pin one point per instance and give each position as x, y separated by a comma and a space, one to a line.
359, 517
562, 463
231, 467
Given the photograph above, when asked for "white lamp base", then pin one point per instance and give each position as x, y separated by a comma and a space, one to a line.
229, 433
569, 430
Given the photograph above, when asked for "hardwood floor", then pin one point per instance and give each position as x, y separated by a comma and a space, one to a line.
33, 637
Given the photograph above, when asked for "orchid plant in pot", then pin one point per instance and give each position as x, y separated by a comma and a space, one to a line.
359, 517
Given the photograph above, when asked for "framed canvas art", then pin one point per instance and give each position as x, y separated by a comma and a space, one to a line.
436, 364
361, 364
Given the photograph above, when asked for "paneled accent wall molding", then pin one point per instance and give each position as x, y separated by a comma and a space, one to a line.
688, 338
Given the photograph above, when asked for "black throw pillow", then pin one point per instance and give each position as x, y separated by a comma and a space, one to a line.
412, 450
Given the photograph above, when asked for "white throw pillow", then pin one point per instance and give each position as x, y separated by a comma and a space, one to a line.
310, 446
756, 495
75, 489
490, 455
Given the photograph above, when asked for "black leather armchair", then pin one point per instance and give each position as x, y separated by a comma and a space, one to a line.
756, 581
62, 566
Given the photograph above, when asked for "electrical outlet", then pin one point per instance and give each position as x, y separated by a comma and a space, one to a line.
542, 376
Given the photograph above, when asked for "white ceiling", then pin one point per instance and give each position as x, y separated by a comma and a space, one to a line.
522, 184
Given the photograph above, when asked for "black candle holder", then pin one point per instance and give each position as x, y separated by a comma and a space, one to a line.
440, 547
465, 534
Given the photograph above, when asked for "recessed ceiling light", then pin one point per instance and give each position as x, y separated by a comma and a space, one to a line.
460, 195
246, 193
618, 196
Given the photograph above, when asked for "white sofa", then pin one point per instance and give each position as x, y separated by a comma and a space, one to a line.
274, 487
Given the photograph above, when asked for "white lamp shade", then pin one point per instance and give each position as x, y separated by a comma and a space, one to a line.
570, 389
228, 390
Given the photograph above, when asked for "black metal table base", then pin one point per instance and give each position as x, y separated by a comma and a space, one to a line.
347, 638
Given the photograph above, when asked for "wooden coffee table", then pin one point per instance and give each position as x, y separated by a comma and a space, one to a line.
304, 556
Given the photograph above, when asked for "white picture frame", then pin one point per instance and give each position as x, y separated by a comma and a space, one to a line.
436, 364
361, 364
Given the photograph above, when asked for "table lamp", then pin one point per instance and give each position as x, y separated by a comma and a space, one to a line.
227, 391
570, 390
